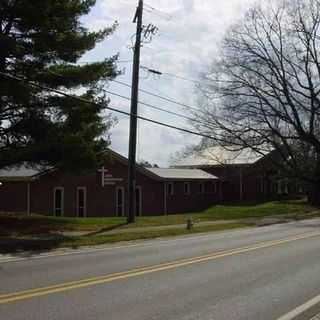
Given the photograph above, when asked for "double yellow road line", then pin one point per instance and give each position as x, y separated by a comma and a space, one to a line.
32, 293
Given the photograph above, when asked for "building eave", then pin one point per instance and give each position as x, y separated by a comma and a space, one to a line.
201, 166
189, 179
17, 179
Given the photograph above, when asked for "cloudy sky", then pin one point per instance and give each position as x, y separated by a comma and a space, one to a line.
188, 36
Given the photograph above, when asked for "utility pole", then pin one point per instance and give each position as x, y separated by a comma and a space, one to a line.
131, 214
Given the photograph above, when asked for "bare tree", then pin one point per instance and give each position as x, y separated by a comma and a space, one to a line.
266, 86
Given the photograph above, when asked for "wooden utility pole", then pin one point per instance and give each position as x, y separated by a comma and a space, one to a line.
131, 214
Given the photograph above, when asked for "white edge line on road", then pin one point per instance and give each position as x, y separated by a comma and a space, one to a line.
67, 252
301, 309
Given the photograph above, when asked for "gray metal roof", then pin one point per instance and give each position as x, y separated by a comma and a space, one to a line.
182, 174
21, 172
219, 156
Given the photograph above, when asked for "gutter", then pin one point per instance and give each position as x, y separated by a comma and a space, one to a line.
17, 179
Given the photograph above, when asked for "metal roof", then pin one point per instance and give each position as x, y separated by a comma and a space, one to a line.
21, 172
26, 172
219, 156
182, 174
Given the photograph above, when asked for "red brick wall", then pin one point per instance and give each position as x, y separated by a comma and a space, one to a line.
13, 197
180, 202
152, 195
101, 201
231, 180
251, 181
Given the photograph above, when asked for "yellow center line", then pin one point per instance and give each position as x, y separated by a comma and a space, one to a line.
27, 294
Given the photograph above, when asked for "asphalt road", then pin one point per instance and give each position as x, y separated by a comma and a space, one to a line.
260, 273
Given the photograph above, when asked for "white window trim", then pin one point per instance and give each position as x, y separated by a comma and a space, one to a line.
139, 214
123, 202
214, 187
188, 189
62, 200
84, 200
172, 189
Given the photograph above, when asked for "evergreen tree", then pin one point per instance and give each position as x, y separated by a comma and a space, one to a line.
42, 40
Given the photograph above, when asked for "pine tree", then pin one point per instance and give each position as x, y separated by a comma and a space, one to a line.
42, 41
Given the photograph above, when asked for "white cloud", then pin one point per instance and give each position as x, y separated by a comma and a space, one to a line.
189, 34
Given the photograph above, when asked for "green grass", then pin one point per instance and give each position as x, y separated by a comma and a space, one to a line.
21, 245
232, 212
40, 224
257, 210
111, 238
17, 231
87, 222
37, 224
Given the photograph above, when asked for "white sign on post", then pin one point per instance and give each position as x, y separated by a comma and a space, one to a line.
107, 178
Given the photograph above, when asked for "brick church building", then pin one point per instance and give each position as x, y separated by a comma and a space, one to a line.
244, 175
103, 192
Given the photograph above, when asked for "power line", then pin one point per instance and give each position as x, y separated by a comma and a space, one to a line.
123, 61
146, 92
158, 108
116, 61
160, 73
150, 105
140, 102
159, 96
39, 86
158, 12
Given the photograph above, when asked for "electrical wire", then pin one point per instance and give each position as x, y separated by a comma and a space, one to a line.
159, 96
147, 104
159, 108
158, 12
116, 61
182, 77
165, 99
163, 124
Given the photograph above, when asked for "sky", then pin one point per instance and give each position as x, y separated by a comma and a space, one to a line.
187, 40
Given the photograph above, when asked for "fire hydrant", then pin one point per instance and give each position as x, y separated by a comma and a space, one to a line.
190, 223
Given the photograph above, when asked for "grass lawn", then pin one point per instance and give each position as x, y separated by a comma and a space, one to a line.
37, 224
111, 238
20, 245
17, 231
233, 212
